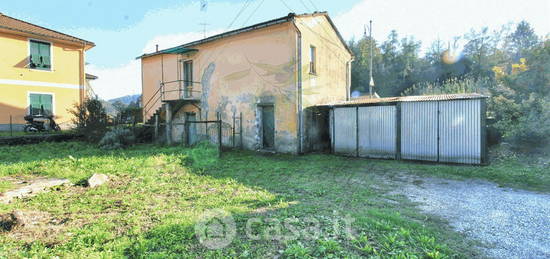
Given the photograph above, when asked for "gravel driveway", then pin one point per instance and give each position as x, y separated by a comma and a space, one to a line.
512, 223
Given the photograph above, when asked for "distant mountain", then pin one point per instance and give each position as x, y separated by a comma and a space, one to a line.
111, 110
126, 99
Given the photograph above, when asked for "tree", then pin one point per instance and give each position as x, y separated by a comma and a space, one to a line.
360, 68
521, 40
90, 119
479, 47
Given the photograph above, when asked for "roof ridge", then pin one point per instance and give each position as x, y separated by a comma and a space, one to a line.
263, 24
32, 24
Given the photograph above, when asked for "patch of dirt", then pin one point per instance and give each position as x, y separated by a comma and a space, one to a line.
31, 226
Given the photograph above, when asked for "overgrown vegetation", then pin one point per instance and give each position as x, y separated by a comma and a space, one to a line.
90, 119
117, 138
156, 194
512, 65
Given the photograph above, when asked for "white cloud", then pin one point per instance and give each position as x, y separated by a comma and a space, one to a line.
117, 81
428, 20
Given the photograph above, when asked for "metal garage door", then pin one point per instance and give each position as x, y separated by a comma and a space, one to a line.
345, 131
377, 131
460, 131
419, 131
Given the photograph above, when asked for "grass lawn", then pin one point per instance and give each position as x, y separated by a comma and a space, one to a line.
7, 134
157, 194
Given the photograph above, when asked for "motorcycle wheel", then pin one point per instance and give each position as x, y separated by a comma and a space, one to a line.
30, 128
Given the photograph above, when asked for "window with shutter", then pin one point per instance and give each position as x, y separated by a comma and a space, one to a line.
312, 60
40, 55
188, 73
41, 104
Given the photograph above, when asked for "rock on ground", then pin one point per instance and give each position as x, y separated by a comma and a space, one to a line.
97, 180
511, 223
31, 188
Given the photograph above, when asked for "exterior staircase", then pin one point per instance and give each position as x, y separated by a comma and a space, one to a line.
173, 92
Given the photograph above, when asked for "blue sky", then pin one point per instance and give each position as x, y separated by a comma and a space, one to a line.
124, 29
121, 28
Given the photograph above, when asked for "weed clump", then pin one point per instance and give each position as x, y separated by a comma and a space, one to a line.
117, 138
203, 155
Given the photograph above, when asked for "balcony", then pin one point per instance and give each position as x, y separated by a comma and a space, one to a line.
180, 90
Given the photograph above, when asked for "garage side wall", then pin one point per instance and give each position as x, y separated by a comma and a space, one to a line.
377, 131
345, 135
449, 131
419, 130
460, 132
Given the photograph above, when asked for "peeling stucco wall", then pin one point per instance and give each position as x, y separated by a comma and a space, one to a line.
240, 73
329, 82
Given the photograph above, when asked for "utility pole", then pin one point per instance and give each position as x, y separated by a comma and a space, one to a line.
371, 80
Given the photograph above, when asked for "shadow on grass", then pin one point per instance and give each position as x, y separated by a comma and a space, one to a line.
323, 187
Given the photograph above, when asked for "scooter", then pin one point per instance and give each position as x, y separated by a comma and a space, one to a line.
36, 123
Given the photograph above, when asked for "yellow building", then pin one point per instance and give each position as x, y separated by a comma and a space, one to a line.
41, 71
273, 73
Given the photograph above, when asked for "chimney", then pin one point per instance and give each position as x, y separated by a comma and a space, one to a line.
157, 48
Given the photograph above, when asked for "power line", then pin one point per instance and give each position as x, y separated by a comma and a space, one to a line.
245, 5
253, 12
304, 4
282, 1
314, 6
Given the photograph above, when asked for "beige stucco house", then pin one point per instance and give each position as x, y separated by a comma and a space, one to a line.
273, 73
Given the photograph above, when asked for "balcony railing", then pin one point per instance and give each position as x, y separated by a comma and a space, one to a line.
180, 90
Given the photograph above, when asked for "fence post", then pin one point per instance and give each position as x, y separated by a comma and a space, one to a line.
357, 131
241, 129
398, 131
233, 130
156, 134
219, 135
218, 118
186, 127
11, 126
168, 123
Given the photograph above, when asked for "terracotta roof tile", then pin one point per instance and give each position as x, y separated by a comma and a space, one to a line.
12, 24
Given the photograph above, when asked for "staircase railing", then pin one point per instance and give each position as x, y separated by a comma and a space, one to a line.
180, 90
154, 99
172, 91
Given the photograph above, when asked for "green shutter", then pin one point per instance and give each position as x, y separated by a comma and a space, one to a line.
188, 73
35, 53
35, 103
46, 101
45, 54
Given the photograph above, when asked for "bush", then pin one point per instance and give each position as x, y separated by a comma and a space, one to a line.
143, 133
525, 125
117, 138
90, 119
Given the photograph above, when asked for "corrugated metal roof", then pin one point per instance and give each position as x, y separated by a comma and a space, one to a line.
417, 98
280, 20
16, 25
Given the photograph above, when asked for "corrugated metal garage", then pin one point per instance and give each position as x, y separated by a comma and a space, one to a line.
439, 128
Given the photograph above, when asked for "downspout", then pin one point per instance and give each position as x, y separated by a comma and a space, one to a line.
82, 75
299, 85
